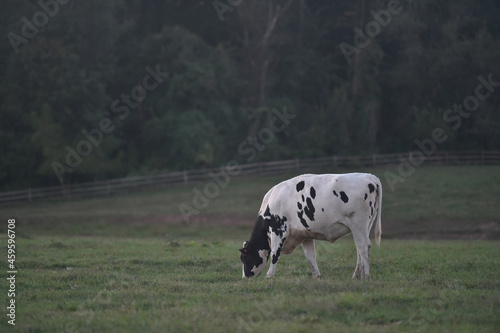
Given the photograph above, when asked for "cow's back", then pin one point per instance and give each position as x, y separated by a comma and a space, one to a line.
320, 206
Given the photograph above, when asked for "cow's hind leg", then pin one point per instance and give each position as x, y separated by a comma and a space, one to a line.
310, 252
363, 245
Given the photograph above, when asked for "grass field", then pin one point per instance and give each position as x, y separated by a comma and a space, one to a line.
127, 263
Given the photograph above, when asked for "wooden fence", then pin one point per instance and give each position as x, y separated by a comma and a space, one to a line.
265, 168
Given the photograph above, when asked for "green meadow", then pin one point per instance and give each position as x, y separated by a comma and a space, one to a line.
129, 263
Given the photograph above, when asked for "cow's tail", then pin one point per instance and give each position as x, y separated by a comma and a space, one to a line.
378, 223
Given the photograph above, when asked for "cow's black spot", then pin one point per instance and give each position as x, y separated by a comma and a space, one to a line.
302, 220
278, 225
344, 197
371, 187
275, 222
267, 213
366, 196
309, 209
278, 252
322, 209
371, 209
307, 206
300, 186
276, 256
335, 193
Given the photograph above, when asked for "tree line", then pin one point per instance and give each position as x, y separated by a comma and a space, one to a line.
99, 89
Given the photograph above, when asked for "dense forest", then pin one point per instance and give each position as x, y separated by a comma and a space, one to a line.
98, 89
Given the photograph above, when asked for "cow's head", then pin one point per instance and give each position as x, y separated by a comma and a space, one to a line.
254, 260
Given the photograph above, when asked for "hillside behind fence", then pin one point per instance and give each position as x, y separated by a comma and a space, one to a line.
111, 186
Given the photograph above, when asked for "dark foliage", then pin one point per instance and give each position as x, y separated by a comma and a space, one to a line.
66, 70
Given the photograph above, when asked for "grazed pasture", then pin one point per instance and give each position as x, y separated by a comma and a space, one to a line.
127, 263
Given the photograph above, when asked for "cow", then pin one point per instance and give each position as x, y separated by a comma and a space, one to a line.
315, 206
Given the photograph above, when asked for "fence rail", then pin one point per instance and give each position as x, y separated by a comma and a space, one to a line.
265, 168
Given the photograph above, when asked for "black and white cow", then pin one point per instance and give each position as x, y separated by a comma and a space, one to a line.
308, 207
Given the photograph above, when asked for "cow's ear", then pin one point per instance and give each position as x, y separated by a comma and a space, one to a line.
245, 244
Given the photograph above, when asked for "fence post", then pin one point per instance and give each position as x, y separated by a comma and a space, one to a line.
482, 157
297, 164
29, 194
374, 159
185, 177
335, 160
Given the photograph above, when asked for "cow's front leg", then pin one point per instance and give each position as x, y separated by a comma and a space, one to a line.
310, 252
277, 243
